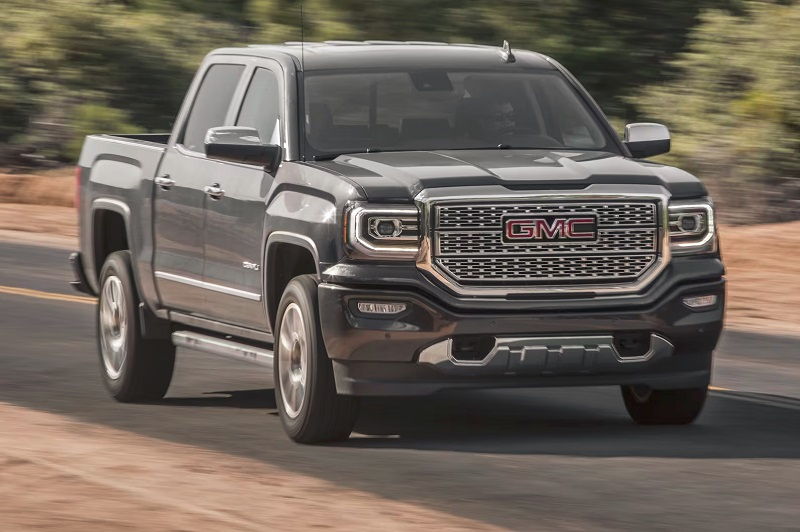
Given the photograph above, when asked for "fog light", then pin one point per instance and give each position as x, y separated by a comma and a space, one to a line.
372, 307
699, 302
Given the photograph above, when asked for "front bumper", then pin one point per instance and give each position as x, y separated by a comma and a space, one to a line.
403, 355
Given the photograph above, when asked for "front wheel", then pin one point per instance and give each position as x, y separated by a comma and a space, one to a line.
663, 407
305, 391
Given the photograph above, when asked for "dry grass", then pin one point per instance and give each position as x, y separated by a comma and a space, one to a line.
50, 187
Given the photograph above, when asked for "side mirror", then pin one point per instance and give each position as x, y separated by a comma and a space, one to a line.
646, 139
241, 145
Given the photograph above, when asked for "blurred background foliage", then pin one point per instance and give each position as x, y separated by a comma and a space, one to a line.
723, 74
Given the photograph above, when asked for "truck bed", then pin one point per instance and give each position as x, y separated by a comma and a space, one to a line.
117, 174
116, 160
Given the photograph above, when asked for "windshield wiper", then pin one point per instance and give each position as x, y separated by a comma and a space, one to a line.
331, 156
512, 147
326, 156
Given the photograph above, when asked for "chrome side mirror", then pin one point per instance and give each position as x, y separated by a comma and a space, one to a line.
241, 145
646, 139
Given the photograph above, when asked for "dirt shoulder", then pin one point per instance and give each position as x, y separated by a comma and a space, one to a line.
763, 262
99, 479
763, 265
39, 219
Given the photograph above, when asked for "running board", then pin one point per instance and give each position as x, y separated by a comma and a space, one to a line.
223, 348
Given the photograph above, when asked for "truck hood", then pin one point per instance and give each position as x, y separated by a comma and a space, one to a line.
400, 176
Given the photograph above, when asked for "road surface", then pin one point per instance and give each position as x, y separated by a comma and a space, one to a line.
503, 458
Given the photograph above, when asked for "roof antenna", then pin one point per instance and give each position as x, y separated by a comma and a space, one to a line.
506, 54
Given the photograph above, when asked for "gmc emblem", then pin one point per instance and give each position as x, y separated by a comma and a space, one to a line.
519, 229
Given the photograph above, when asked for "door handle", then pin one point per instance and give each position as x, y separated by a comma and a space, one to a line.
164, 181
214, 191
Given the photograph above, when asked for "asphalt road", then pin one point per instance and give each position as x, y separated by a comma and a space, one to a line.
508, 458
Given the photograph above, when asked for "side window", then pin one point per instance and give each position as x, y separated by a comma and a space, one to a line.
260, 108
210, 104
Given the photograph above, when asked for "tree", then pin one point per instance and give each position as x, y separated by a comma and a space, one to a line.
137, 64
735, 110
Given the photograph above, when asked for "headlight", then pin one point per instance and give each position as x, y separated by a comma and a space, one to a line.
692, 228
386, 232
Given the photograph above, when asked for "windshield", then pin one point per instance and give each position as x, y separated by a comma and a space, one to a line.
358, 111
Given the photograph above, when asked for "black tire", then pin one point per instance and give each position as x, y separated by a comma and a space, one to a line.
321, 415
140, 369
664, 407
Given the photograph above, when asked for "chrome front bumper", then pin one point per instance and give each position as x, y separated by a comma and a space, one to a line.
542, 356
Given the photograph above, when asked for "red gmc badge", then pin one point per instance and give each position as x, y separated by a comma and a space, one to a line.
521, 229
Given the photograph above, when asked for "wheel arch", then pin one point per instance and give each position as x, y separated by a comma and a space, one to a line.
286, 255
110, 225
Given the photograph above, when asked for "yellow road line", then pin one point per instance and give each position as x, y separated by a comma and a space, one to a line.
27, 292
719, 389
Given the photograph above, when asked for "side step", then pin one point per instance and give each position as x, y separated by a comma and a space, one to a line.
224, 348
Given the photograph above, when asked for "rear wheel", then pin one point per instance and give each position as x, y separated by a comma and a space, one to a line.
133, 368
663, 407
305, 391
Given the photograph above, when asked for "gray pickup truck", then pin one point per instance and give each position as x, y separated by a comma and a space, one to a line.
398, 218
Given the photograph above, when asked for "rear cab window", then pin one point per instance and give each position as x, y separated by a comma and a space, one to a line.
211, 104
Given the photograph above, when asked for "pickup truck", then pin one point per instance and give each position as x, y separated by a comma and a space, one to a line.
395, 219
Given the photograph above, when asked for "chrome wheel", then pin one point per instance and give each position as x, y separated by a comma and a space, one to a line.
113, 326
293, 360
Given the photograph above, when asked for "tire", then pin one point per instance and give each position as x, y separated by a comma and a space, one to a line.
134, 369
305, 392
663, 407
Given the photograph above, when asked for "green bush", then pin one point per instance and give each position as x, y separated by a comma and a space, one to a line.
58, 55
734, 110
91, 118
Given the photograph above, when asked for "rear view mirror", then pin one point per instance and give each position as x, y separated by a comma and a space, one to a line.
646, 139
242, 145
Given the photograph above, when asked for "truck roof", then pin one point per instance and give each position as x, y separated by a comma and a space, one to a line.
397, 54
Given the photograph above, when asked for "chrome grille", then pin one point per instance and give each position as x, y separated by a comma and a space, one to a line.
468, 247
490, 242
488, 216
546, 268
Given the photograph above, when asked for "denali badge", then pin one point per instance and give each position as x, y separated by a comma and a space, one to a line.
519, 229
